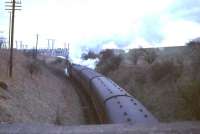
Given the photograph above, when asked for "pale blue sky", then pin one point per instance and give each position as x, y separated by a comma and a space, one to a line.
101, 24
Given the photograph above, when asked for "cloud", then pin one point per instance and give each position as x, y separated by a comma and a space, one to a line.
137, 43
110, 45
181, 31
97, 24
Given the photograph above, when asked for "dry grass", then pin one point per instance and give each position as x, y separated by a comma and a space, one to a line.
36, 98
190, 93
157, 85
165, 69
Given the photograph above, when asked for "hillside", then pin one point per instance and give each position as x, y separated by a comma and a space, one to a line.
165, 80
36, 93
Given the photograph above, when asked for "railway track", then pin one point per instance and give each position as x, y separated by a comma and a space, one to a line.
89, 112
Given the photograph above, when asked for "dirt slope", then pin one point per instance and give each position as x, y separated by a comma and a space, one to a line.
41, 97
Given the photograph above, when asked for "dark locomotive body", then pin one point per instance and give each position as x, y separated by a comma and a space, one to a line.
112, 103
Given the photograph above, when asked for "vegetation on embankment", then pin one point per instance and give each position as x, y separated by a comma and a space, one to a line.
165, 80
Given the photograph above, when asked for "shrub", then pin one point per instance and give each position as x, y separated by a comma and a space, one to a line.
139, 75
166, 69
33, 67
58, 60
89, 55
1, 43
108, 61
58, 119
150, 56
191, 96
3, 85
30, 53
134, 55
193, 50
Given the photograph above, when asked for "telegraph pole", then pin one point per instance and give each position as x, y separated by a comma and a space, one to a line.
53, 42
10, 23
12, 6
36, 46
68, 51
16, 44
12, 38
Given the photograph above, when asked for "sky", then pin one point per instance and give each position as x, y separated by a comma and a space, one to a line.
101, 24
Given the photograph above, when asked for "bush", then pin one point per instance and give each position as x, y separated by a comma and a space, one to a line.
89, 55
166, 69
140, 75
150, 56
193, 50
33, 67
191, 96
58, 60
58, 120
3, 85
30, 53
134, 54
108, 61
1, 43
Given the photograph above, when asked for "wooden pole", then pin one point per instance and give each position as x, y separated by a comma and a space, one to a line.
36, 46
12, 39
10, 23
